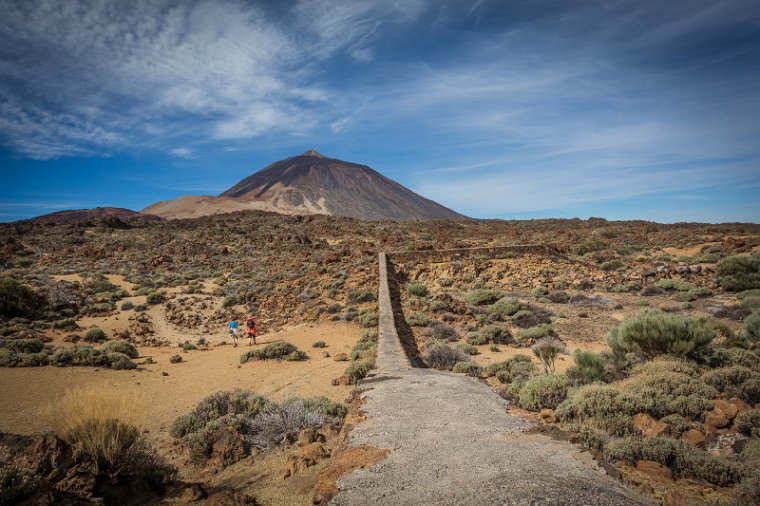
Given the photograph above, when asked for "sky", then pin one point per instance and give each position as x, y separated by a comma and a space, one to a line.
623, 109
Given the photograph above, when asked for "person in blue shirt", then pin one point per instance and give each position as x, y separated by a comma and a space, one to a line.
233, 332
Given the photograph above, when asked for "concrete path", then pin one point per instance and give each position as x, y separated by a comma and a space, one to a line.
451, 442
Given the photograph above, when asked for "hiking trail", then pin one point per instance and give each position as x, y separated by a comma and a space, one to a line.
452, 441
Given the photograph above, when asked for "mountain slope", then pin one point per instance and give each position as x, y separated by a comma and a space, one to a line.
98, 213
340, 188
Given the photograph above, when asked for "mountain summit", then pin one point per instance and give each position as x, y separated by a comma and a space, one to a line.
312, 183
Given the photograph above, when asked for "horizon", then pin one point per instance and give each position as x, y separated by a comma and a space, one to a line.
530, 110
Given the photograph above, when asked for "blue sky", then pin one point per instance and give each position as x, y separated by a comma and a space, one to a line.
624, 109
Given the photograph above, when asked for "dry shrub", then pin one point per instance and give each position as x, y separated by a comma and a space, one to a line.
96, 402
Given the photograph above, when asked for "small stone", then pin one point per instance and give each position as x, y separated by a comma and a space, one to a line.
175, 359
164, 373
340, 357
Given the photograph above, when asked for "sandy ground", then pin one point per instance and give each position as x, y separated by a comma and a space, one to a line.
24, 391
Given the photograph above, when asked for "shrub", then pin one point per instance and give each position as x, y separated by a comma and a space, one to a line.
17, 299
596, 401
22, 345
751, 450
119, 361
728, 380
515, 370
612, 265
545, 391
747, 493
120, 346
319, 344
750, 391
326, 407
506, 306
547, 350
229, 402
748, 422
188, 346
126, 306
359, 296
358, 370
652, 333
496, 334
442, 331
368, 320
536, 332
559, 297
588, 368
738, 273
80, 355
540, 291
468, 368
444, 357
678, 425
417, 289
417, 319
468, 348
282, 423
476, 339
438, 306
32, 359
95, 335
100, 422
665, 393
683, 459
482, 297
15, 483
155, 298
274, 351
751, 302
185, 424
752, 328
445, 282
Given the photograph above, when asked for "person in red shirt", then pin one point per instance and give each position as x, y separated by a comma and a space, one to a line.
250, 325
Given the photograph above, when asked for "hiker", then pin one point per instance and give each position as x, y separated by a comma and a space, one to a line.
233, 331
250, 324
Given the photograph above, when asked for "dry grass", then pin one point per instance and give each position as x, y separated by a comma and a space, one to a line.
101, 422
96, 402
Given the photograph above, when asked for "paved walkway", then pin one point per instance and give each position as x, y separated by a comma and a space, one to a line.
452, 443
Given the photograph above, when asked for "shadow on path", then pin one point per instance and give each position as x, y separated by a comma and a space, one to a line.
405, 334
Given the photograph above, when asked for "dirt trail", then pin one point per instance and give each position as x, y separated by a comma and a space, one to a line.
451, 441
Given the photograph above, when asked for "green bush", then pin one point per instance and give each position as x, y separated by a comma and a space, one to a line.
612, 265
545, 391
417, 319
692, 295
506, 306
22, 345
496, 334
118, 360
482, 297
536, 332
354, 296
751, 451
120, 346
468, 368
547, 350
185, 424
749, 391
95, 335
17, 299
652, 333
507, 365
417, 289
442, 331
15, 483
672, 284
683, 459
678, 425
751, 302
752, 328
540, 291
444, 357
588, 368
445, 282
738, 273
747, 493
319, 344
326, 407
728, 380
155, 297
368, 320
748, 422
516, 372
468, 348
358, 370
476, 339
274, 351
665, 393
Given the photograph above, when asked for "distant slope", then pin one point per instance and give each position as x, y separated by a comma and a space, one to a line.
99, 213
313, 184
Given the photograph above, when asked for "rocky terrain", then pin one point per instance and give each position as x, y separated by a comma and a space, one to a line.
144, 306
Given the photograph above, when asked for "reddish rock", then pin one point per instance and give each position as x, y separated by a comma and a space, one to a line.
729, 408
227, 448
304, 457
340, 357
716, 420
547, 415
648, 426
654, 470
693, 437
